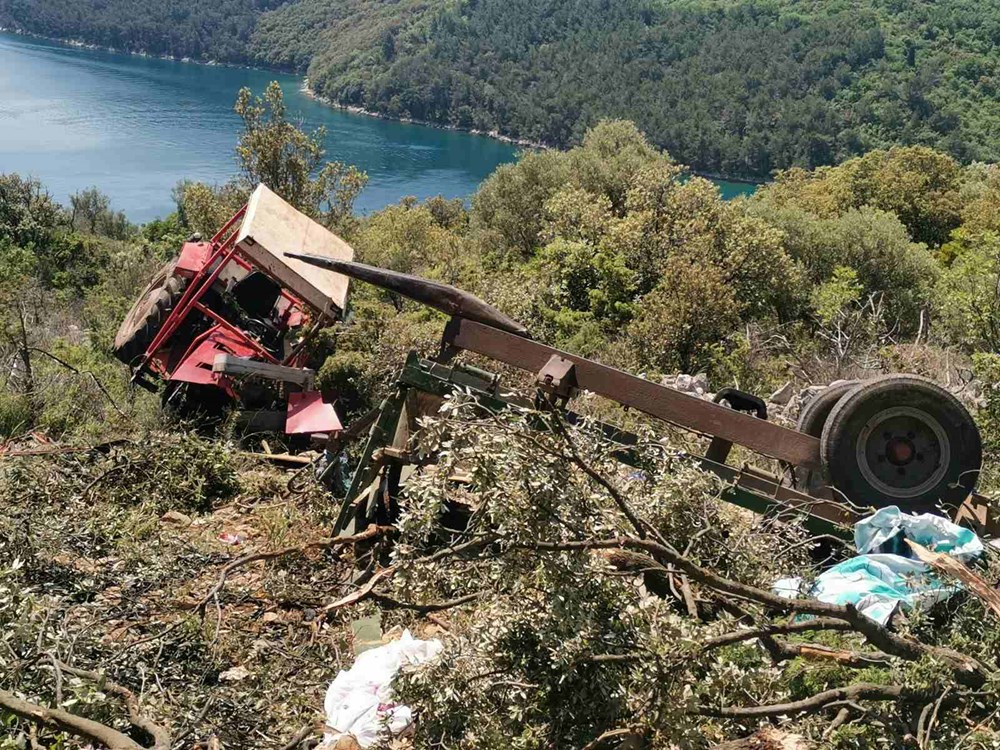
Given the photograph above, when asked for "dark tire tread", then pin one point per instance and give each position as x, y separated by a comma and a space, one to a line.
851, 413
148, 314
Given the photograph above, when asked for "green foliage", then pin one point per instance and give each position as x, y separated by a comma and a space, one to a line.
347, 373
90, 211
740, 88
685, 318
182, 28
205, 209
279, 154
967, 293
523, 666
28, 215
917, 184
610, 250
274, 151
831, 298
872, 242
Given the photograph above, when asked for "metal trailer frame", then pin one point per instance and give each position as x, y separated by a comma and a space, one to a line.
386, 461
476, 327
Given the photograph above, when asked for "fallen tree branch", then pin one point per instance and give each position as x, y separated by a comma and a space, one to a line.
859, 691
737, 636
370, 533
782, 650
63, 721
965, 669
614, 735
423, 608
161, 737
307, 732
362, 593
954, 568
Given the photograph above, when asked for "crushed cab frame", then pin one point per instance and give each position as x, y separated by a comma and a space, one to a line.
227, 322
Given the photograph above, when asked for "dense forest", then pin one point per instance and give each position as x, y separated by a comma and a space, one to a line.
218, 30
739, 88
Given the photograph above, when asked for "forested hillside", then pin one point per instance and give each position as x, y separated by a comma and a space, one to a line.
217, 30
740, 87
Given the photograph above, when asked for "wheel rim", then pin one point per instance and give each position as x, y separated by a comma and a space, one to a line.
903, 452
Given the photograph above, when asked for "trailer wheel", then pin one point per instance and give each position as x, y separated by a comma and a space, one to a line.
901, 440
144, 320
812, 419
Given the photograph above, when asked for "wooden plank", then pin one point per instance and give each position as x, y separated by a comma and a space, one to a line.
229, 364
680, 409
287, 459
272, 227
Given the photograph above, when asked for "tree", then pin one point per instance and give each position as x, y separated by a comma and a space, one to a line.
28, 215
681, 323
968, 294
90, 211
288, 160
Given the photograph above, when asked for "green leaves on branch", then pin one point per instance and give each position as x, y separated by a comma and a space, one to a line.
291, 162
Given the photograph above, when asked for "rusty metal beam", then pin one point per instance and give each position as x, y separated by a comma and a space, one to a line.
443, 297
680, 409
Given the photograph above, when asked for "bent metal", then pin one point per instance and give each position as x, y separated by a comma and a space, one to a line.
895, 440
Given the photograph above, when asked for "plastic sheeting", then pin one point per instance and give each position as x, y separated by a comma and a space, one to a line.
885, 576
359, 702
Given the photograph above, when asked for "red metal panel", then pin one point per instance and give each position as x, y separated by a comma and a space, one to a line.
309, 414
193, 257
196, 367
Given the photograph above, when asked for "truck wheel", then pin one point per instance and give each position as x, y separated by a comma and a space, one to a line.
901, 440
812, 419
144, 320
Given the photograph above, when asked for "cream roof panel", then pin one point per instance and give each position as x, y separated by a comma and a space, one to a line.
271, 228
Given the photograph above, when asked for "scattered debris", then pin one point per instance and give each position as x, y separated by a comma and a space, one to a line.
783, 395
175, 518
236, 674
885, 575
359, 702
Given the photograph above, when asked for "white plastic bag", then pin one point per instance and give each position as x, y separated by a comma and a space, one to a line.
359, 702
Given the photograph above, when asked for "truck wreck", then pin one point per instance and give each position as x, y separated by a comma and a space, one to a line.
227, 322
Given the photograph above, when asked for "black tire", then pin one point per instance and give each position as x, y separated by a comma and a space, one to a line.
813, 415
901, 440
147, 315
812, 419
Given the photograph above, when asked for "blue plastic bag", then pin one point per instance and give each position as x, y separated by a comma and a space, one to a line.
886, 575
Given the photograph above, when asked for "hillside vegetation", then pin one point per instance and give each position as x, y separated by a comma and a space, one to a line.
117, 529
219, 30
741, 87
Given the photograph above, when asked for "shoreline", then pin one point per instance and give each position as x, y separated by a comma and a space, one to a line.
80, 44
306, 91
353, 109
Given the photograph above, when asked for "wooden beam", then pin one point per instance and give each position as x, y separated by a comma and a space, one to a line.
229, 364
684, 411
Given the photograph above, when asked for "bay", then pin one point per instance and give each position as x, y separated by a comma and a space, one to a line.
135, 126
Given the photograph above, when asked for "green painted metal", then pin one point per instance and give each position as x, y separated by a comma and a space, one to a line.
426, 376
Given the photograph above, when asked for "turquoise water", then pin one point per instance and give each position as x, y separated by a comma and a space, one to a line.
732, 190
136, 126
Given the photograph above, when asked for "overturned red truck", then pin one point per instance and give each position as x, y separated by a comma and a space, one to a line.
227, 322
